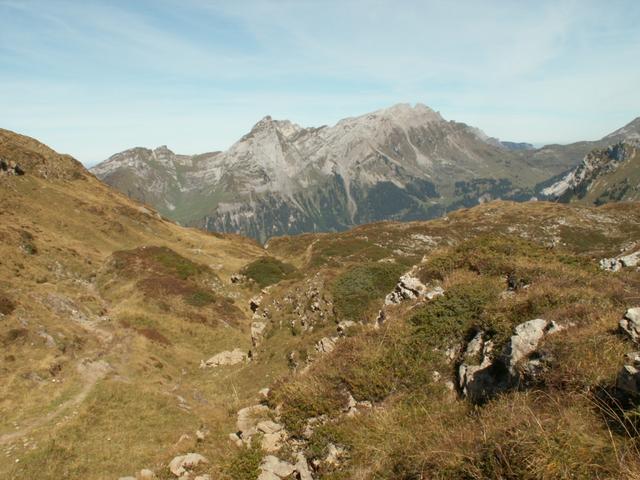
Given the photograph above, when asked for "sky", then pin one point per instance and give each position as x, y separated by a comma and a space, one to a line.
92, 78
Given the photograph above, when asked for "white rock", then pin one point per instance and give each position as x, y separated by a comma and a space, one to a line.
631, 260
146, 474
269, 426
325, 345
226, 358
235, 439
302, 467
257, 332
183, 463
630, 323
264, 393
272, 442
435, 292
274, 465
525, 341
249, 417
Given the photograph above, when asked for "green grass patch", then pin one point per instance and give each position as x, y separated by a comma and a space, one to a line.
245, 464
266, 271
451, 316
355, 290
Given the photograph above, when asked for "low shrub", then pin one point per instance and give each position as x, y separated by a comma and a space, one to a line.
355, 290
266, 271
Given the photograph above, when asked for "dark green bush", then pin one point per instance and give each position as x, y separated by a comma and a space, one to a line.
356, 289
454, 314
267, 271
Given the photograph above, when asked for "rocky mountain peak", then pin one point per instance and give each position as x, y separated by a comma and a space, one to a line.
631, 131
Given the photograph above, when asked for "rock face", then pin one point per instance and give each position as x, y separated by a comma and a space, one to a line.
630, 323
482, 374
225, 358
604, 175
282, 178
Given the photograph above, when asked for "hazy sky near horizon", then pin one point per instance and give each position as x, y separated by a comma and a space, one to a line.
91, 77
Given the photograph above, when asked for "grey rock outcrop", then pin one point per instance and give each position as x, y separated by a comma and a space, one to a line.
409, 287
182, 464
232, 357
616, 264
630, 323
629, 377
482, 373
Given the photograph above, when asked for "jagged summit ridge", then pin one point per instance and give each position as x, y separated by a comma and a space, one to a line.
403, 162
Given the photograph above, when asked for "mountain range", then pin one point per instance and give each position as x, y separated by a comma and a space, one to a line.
400, 163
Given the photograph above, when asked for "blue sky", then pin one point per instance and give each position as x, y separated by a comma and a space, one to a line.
91, 78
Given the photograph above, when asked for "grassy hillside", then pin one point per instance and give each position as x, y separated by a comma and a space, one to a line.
107, 311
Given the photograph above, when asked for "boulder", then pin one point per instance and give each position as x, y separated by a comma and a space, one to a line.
434, 292
631, 260
225, 358
181, 464
630, 323
629, 377
248, 419
273, 467
257, 332
481, 374
525, 340
326, 345
302, 467
610, 264
146, 474
618, 263
18, 171
269, 426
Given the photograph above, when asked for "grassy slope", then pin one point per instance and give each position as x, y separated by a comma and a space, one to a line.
60, 238
153, 314
561, 428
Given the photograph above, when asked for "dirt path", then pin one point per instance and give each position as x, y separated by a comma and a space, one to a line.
91, 372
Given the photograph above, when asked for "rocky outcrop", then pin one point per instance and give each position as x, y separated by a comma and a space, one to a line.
628, 379
409, 287
257, 332
616, 264
482, 373
630, 324
183, 464
232, 357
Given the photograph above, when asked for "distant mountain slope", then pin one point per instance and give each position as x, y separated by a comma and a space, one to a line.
604, 175
399, 163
